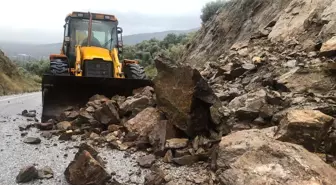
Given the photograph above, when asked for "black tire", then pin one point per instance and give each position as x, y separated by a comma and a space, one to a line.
58, 67
135, 71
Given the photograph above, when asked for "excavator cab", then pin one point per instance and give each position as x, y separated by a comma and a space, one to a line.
89, 64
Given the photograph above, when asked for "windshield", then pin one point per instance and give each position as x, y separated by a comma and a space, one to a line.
103, 33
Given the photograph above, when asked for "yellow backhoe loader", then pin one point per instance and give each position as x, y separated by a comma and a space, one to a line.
89, 64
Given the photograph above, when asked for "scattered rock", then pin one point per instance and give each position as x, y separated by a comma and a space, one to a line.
156, 177
45, 126
144, 122
98, 97
64, 125
85, 169
146, 161
186, 160
27, 174
168, 158
32, 140
135, 105
160, 133
45, 173
176, 143
108, 113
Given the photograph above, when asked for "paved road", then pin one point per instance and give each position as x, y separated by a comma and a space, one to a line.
14, 154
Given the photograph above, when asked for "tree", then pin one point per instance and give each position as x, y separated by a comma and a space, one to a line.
210, 9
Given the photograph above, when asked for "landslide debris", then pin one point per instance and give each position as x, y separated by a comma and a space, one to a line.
252, 102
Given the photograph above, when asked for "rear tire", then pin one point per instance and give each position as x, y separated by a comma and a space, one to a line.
135, 71
58, 67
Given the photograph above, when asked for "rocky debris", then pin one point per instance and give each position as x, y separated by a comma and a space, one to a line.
85, 169
254, 157
304, 127
171, 174
32, 140
45, 173
329, 47
45, 126
31, 113
64, 125
144, 122
161, 132
176, 143
187, 106
146, 161
27, 174
108, 113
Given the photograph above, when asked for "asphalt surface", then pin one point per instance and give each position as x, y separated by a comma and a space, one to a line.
14, 154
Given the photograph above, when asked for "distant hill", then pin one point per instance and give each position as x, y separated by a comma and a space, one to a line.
137, 38
22, 51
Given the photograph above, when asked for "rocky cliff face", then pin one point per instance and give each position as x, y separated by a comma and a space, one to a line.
242, 21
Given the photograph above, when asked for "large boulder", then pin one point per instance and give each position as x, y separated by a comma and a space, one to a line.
304, 127
143, 123
254, 157
108, 113
85, 168
184, 96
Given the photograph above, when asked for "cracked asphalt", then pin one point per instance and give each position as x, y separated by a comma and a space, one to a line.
14, 154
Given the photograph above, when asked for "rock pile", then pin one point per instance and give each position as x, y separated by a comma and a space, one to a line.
261, 109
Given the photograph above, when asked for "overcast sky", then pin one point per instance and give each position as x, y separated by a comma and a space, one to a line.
41, 21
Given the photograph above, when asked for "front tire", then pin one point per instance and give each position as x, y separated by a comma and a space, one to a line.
58, 66
135, 71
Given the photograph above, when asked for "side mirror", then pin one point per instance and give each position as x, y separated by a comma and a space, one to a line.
119, 30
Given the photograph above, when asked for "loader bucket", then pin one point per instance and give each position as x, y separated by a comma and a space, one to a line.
60, 92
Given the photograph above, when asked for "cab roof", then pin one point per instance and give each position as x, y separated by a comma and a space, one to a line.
95, 16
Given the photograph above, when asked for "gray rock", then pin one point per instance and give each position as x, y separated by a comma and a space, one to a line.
32, 140
146, 161
254, 157
45, 173
27, 174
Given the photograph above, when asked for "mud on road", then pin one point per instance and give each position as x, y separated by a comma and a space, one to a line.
16, 154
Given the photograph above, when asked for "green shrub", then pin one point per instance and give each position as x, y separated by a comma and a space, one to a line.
210, 9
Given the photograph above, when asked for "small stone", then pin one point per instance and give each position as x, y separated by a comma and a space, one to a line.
24, 134
32, 140
64, 125
146, 161
176, 143
168, 158
45, 173
186, 160
45, 126
27, 174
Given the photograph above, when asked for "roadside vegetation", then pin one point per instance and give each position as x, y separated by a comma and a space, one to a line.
15, 79
145, 52
211, 8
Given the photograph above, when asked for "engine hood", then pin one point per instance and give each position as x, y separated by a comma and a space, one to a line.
90, 53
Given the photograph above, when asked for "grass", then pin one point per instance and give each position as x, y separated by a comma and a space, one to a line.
14, 81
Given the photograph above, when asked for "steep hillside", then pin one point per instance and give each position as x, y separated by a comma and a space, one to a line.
241, 21
12, 80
